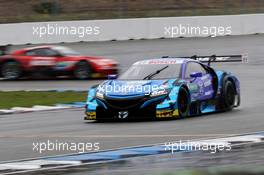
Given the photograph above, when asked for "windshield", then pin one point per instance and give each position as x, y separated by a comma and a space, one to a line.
141, 71
66, 51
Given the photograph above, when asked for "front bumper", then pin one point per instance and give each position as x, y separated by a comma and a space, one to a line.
132, 115
105, 111
112, 113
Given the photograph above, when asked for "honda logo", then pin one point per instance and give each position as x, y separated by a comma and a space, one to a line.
122, 114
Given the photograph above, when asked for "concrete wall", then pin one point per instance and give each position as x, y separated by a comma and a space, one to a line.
124, 29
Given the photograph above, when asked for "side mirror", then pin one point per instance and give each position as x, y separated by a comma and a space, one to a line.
112, 77
196, 74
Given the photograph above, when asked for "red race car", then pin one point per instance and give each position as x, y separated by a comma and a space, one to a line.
53, 61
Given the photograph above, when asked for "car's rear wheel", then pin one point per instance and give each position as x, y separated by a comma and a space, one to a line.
183, 103
11, 70
82, 70
229, 95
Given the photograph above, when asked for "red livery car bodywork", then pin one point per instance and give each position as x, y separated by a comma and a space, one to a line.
54, 61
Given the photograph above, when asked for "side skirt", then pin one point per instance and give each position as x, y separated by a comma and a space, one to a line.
203, 107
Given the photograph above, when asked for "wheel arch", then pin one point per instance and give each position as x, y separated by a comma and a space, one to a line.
8, 60
233, 80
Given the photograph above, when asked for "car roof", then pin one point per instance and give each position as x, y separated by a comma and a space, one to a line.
17, 52
170, 60
39, 47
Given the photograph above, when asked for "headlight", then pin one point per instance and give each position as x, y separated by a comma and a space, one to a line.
99, 95
159, 93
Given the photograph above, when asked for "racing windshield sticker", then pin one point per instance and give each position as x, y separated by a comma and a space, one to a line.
160, 61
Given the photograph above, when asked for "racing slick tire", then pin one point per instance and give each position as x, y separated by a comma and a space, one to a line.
82, 70
11, 70
183, 103
228, 97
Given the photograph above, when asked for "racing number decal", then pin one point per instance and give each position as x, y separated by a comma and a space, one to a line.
201, 88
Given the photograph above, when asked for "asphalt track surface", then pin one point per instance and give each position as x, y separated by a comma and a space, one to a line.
19, 131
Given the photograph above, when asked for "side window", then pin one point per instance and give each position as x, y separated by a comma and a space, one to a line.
45, 52
193, 67
31, 53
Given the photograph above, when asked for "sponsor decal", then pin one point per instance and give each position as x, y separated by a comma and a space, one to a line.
164, 113
161, 61
91, 115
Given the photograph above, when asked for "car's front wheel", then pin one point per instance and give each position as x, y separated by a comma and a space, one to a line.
11, 70
183, 103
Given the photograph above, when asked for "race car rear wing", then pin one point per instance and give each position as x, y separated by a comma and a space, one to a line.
220, 58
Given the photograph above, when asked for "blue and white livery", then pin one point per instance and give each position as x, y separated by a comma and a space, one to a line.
167, 87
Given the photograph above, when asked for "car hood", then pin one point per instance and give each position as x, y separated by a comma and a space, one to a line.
135, 88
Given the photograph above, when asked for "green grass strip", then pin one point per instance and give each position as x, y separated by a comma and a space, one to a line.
31, 98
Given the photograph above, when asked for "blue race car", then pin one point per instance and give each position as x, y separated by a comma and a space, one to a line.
167, 87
